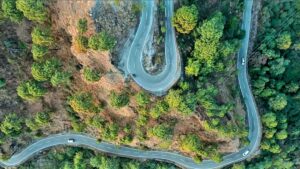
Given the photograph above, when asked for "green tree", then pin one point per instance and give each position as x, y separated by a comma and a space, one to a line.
42, 36
193, 67
40, 119
83, 103
11, 125
34, 10
293, 87
60, 78
284, 41
191, 143
185, 19
161, 131
45, 70
206, 48
282, 135
109, 163
82, 25
269, 120
131, 165
160, 108
10, 10
238, 166
119, 100
279, 102
38, 52
79, 162
30, 90
102, 41
91, 75
81, 43
142, 99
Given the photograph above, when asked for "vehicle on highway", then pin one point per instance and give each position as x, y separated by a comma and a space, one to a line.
71, 140
243, 61
246, 153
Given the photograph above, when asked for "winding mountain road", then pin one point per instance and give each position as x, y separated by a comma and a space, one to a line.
157, 86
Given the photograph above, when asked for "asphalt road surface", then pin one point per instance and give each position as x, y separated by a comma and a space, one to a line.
157, 84
182, 161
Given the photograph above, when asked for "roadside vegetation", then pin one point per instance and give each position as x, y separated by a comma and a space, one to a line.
274, 70
208, 45
198, 117
80, 158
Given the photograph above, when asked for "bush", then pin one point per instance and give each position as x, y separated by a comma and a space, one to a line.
81, 43
142, 99
30, 90
161, 131
45, 70
42, 36
40, 119
185, 19
83, 103
38, 52
119, 100
91, 75
160, 108
82, 26
10, 10
102, 41
34, 10
60, 78
12, 125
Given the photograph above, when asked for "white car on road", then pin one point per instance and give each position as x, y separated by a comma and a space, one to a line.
71, 140
243, 61
246, 153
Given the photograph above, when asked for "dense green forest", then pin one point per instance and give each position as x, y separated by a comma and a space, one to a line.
274, 71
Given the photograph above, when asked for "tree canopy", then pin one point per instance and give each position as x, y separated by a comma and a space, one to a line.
185, 19
34, 10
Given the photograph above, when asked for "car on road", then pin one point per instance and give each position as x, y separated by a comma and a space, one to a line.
71, 140
246, 153
243, 61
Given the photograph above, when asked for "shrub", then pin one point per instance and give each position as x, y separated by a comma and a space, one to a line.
142, 99
42, 36
60, 78
33, 9
119, 100
12, 125
30, 90
45, 70
161, 131
91, 75
82, 26
10, 10
38, 52
102, 41
83, 103
40, 119
81, 43
160, 108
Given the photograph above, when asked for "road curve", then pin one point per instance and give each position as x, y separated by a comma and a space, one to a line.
157, 84
182, 161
